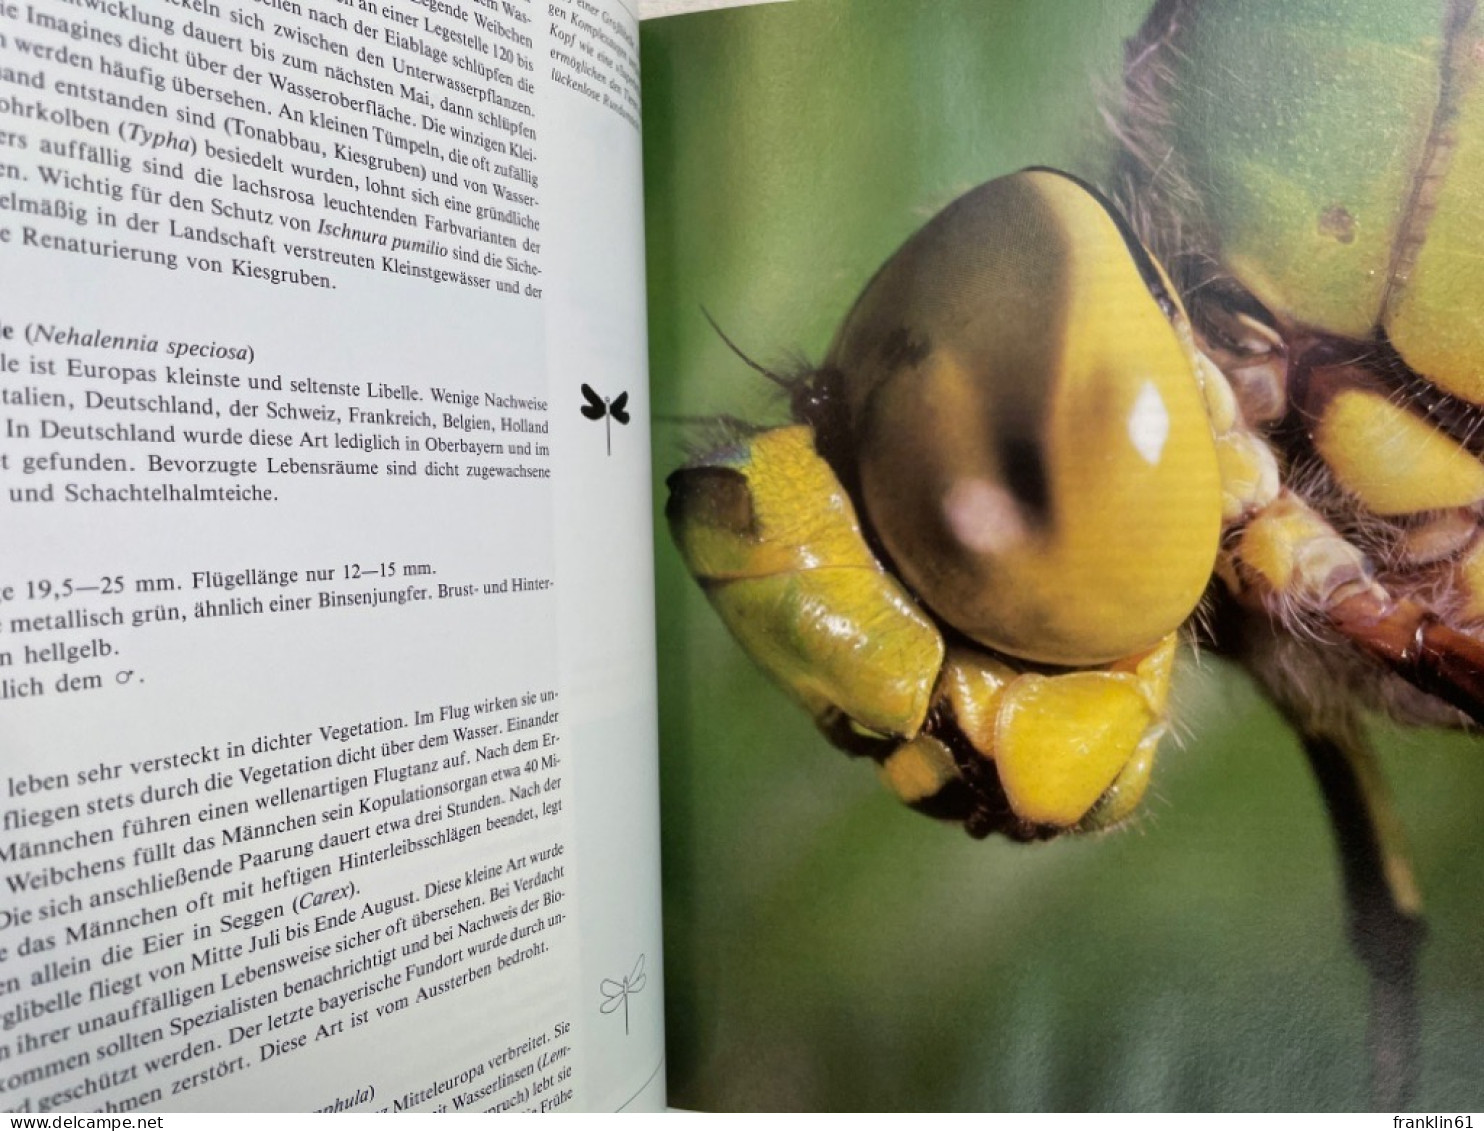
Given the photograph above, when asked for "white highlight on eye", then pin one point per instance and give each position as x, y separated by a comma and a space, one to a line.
1149, 423
983, 516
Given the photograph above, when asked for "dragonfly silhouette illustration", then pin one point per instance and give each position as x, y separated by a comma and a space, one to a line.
617, 994
599, 408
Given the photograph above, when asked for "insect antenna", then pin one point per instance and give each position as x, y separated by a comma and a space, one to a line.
814, 399
778, 379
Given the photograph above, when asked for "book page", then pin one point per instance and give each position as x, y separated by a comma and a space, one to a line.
830, 948
326, 662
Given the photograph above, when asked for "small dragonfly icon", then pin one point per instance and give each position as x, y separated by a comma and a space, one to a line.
599, 407
616, 994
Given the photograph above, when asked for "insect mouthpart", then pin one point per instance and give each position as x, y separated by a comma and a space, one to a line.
958, 733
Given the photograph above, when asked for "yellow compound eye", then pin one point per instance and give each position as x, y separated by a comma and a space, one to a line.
1032, 444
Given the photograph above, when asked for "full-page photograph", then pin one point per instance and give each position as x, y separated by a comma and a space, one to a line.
1070, 586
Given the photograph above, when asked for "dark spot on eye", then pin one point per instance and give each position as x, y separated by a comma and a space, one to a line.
1337, 223
903, 348
1025, 476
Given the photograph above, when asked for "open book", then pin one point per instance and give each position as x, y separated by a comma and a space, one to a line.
346, 348
327, 699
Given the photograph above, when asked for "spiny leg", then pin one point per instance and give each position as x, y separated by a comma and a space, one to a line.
1291, 563
1412, 642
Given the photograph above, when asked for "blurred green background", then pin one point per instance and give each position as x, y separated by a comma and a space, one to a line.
825, 947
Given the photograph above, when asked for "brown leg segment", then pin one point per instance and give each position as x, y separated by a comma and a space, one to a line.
1417, 646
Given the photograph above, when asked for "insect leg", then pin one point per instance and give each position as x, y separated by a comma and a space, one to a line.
1383, 903
1386, 926
1290, 562
1282, 556
1411, 641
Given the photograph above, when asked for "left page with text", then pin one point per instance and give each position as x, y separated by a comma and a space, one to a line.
326, 660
